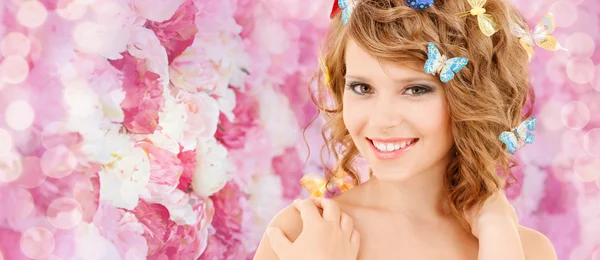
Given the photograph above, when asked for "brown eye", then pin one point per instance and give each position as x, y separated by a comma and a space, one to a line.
360, 89
417, 91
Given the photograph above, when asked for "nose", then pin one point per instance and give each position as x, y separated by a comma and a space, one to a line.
386, 113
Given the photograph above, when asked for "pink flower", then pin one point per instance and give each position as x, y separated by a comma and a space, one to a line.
233, 219
246, 162
122, 229
166, 239
188, 162
215, 250
233, 134
289, 167
177, 33
143, 98
165, 167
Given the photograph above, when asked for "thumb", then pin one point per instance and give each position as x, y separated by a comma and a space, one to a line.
279, 242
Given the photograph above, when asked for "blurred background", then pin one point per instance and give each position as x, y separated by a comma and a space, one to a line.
172, 129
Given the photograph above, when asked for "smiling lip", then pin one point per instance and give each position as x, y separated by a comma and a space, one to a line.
391, 155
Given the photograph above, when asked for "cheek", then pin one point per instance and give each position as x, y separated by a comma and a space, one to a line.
437, 126
352, 115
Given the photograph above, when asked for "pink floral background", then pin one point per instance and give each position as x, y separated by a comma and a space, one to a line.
172, 129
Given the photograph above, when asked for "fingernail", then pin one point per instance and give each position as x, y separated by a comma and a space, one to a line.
270, 231
296, 200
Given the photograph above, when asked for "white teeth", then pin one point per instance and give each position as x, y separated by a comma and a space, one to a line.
390, 147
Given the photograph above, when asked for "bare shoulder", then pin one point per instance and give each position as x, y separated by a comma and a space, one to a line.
290, 222
536, 245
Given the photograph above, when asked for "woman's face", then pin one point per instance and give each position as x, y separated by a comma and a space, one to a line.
396, 114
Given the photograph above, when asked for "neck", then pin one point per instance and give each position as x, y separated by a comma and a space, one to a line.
421, 196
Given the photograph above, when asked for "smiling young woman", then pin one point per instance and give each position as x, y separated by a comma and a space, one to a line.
422, 94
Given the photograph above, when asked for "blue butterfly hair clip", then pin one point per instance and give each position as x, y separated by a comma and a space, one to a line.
347, 6
518, 137
419, 4
437, 63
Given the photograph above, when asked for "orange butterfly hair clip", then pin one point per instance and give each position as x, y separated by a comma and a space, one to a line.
318, 186
540, 35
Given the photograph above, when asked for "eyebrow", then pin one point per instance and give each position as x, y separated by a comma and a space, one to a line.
406, 79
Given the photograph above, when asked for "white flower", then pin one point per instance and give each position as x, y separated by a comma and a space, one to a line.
278, 119
212, 168
145, 45
227, 104
124, 178
178, 203
172, 117
202, 118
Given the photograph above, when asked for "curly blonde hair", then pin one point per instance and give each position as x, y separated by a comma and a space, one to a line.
487, 97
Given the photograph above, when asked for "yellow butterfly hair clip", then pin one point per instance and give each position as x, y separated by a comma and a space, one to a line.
317, 186
540, 35
486, 22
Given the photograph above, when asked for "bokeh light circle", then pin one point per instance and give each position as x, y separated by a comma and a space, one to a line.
32, 14
304, 10
56, 133
37, 243
11, 167
89, 37
64, 213
32, 175
20, 203
15, 44
14, 69
555, 69
591, 142
70, 9
596, 82
580, 45
581, 70
575, 115
58, 162
587, 167
6, 141
19, 115
565, 13
596, 254
549, 116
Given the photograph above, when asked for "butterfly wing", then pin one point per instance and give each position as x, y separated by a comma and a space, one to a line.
510, 140
347, 10
451, 66
541, 34
525, 128
316, 186
487, 24
433, 59
524, 38
476, 3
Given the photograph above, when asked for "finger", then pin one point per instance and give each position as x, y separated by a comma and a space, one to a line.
355, 238
331, 210
279, 242
347, 224
308, 210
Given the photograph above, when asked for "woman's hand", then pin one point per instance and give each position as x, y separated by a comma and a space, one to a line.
496, 226
331, 236
496, 210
